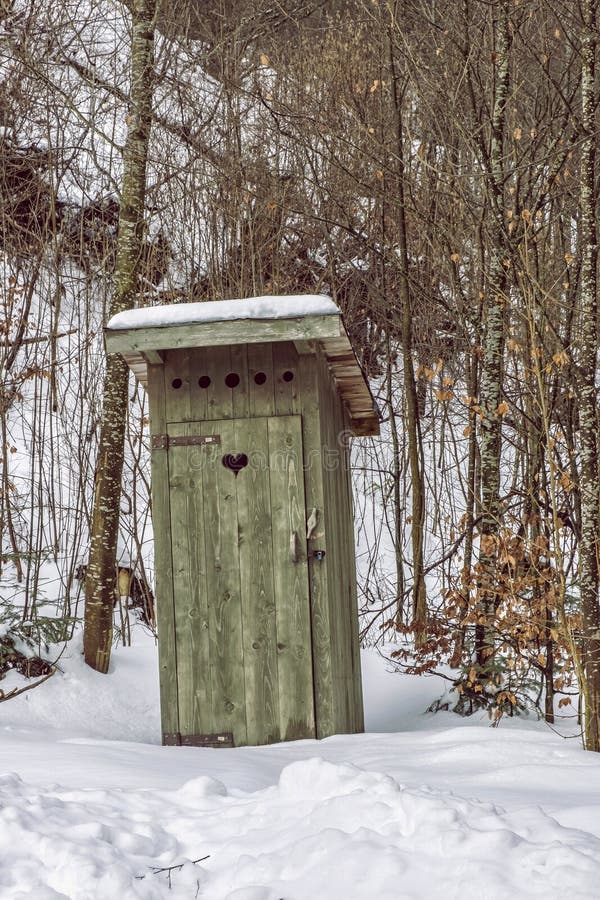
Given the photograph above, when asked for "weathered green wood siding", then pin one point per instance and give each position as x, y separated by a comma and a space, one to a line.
224, 588
340, 558
261, 638
288, 512
163, 560
194, 688
260, 626
318, 570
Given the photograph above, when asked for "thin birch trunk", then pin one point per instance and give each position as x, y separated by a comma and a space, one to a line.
101, 572
413, 429
587, 375
492, 370
397, 489
469, 518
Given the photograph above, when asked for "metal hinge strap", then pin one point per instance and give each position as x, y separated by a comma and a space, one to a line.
165, 441
176, 739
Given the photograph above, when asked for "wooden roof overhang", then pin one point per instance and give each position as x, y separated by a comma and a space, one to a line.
144, 344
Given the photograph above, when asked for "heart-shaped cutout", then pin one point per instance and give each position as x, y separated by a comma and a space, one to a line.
235, 462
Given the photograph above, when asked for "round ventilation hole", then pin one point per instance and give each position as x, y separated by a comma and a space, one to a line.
176, 383
260, 378
288, 376
203, 381
232, 380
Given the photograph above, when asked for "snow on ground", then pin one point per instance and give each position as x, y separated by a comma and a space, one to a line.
423, 806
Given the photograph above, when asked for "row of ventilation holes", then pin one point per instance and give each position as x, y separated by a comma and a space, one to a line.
232, 380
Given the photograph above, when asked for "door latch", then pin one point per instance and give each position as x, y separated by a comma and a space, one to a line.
294, 547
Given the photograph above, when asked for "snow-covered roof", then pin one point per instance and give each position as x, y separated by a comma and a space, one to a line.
270, 307
312, 322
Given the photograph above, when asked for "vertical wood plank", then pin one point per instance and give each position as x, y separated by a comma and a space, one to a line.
220, 397
163, 560
355, 720
343, 532
186, 465
239, 366
347, 562
321, 623
359, 718
257, 586
286, 359
332, 560
199, 367
223, 586
288, 510
341, 564
177, 370
261, 396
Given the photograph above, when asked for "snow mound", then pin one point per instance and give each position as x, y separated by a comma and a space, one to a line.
323, 830
93, 808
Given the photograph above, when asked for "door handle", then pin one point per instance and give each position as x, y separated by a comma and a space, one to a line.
294, 547
312, 523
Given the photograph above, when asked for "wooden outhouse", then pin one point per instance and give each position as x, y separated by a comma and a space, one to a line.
252, 403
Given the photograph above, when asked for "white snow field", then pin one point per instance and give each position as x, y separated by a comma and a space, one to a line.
422, 807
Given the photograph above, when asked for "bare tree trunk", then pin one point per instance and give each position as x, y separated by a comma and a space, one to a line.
397, 489
587, 374
419, 595
469, 519
101, 571
493, 346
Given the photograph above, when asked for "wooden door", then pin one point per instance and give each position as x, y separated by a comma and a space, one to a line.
242, 609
